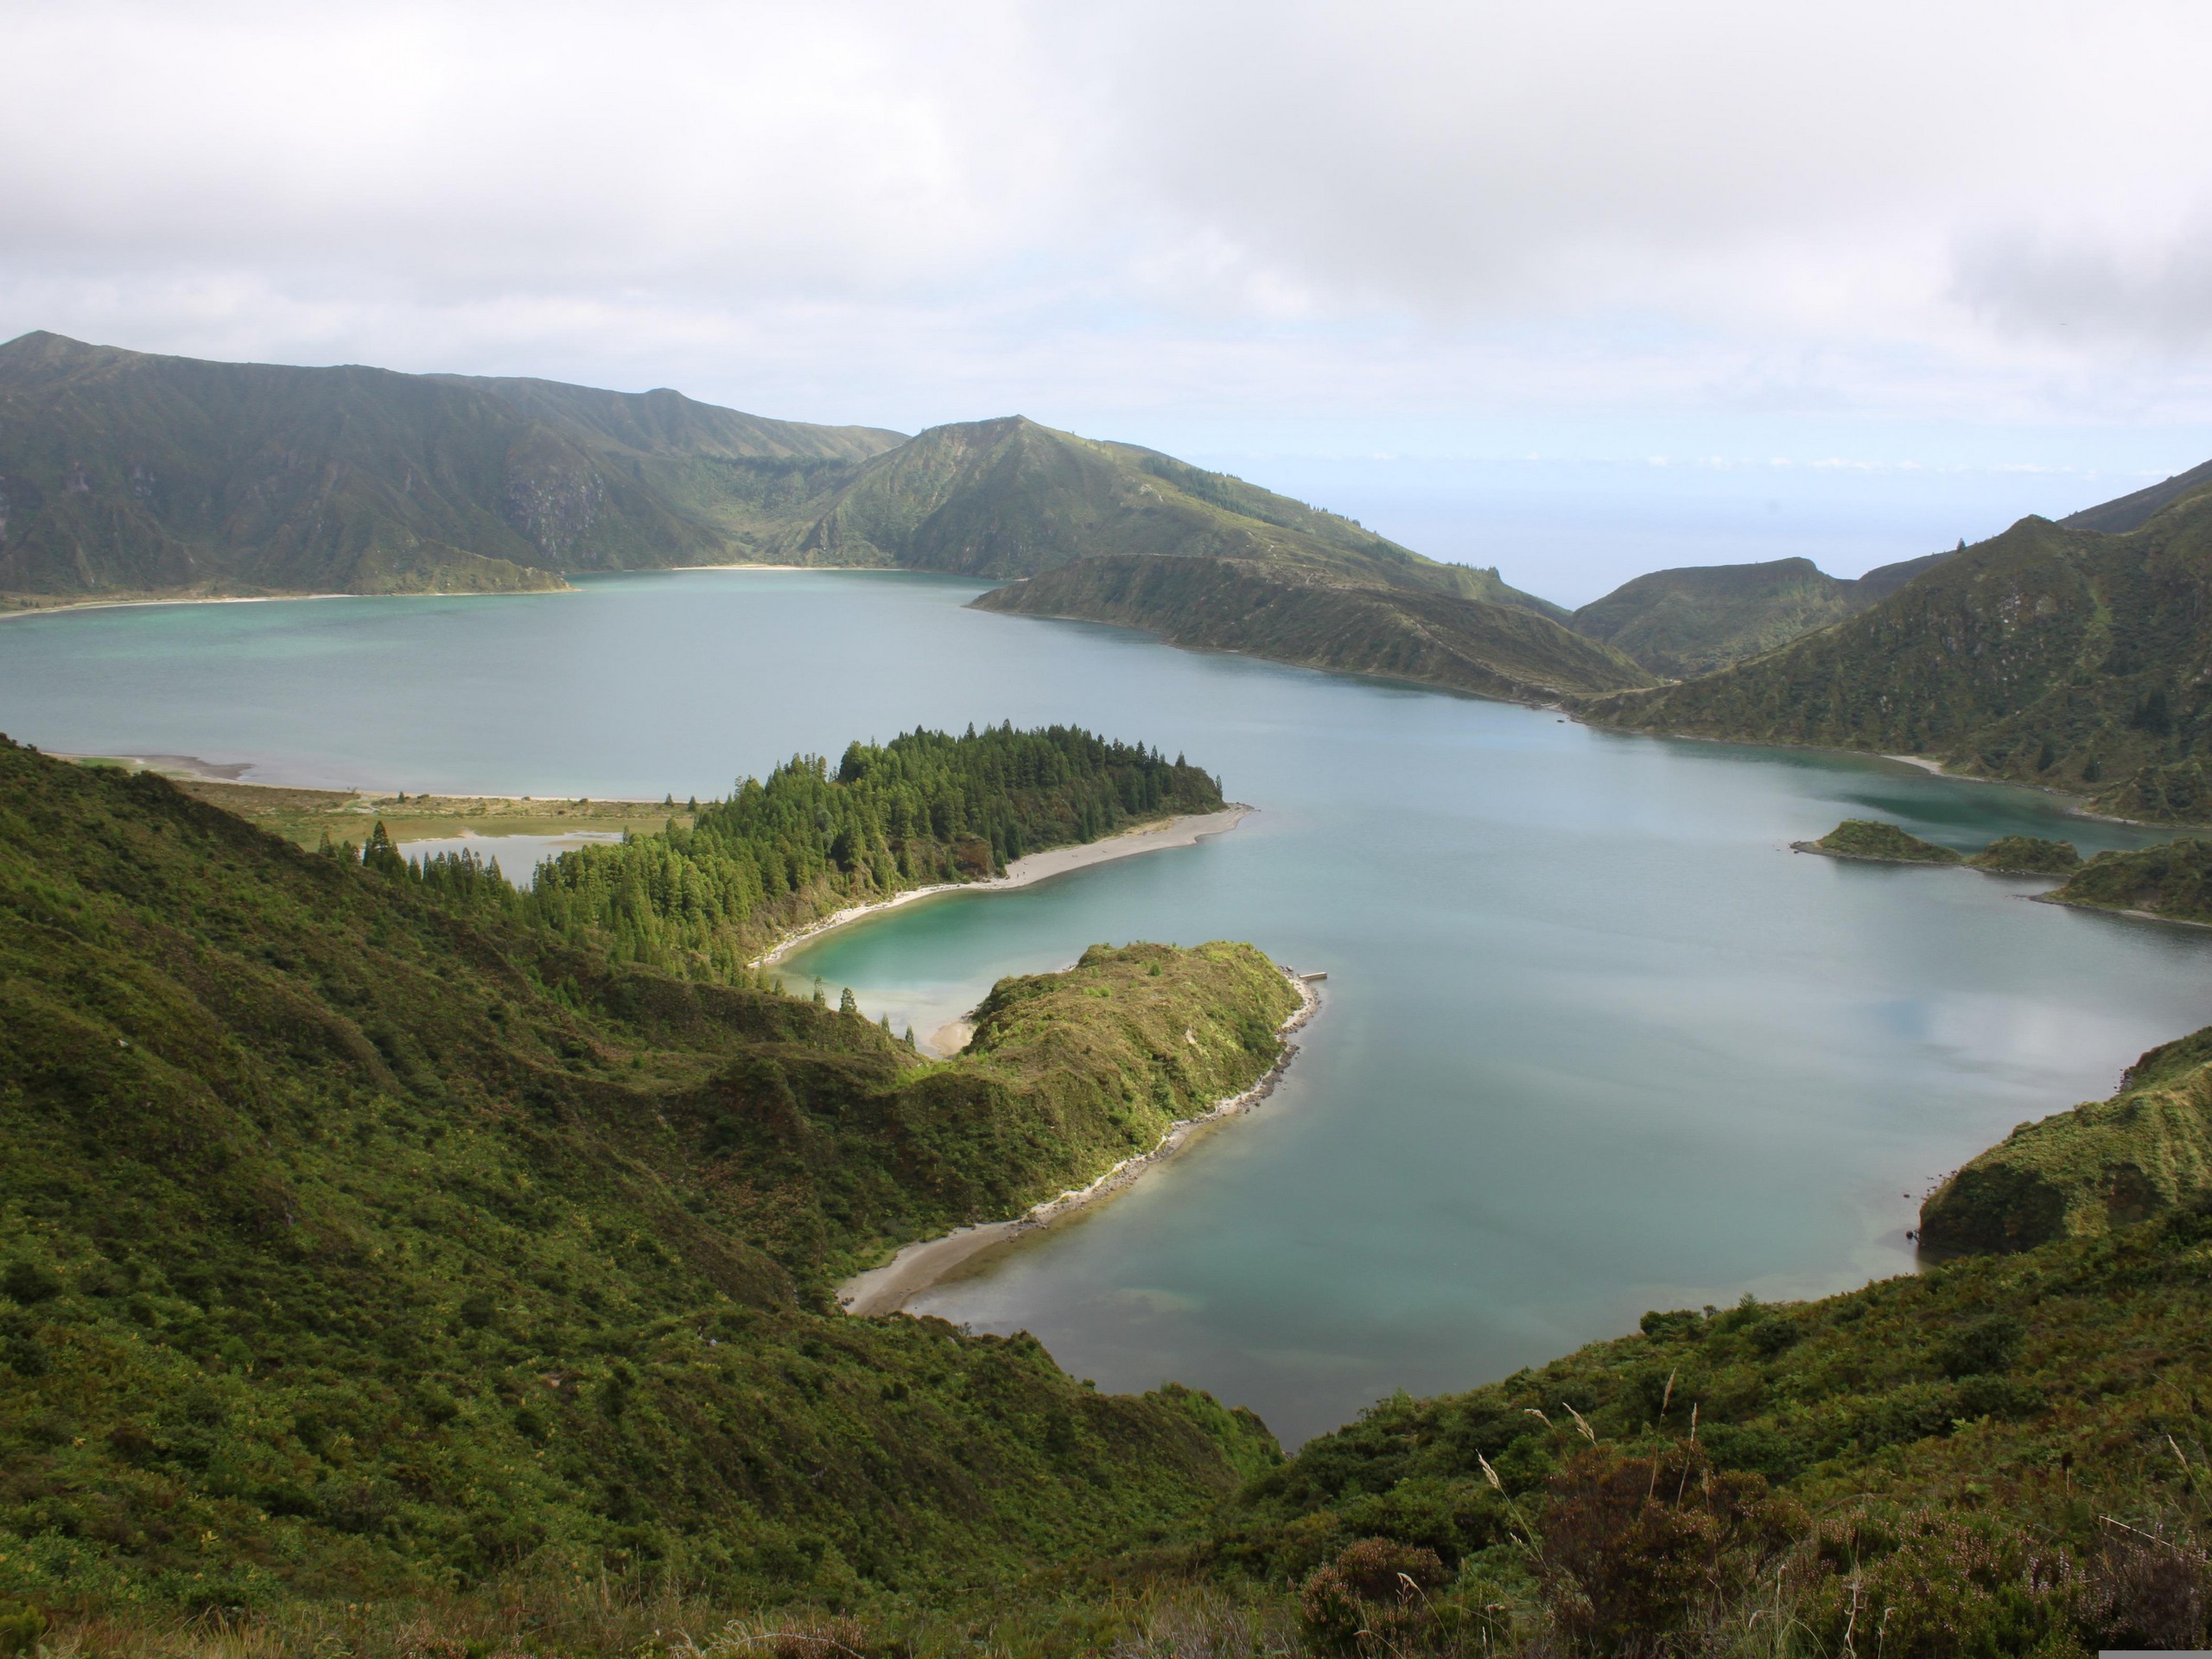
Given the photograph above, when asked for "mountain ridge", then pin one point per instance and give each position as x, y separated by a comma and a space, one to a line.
2058, 655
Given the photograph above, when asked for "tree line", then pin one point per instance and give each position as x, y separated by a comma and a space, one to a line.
925, 809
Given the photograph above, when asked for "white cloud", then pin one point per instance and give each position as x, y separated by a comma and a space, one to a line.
1966, 211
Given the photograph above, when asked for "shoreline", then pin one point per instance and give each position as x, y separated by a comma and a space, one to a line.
1032, 868
10, 613
886, 1289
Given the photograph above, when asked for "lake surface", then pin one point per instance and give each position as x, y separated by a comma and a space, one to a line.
1594, 1040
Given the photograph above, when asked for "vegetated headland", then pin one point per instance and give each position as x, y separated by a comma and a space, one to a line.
391, 1267
2067, 655
1150, 1010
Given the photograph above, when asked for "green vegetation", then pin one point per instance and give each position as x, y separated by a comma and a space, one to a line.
1010, 497
1873, 839
356, 1245
923, 810
2048, 655
2173, 880
309, 816
1694, 620
2103, 1165
1683, 623
123, 474
2027, 856
126, 475
1320, 618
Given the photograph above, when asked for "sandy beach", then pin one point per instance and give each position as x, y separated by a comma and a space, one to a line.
1033, 867
888, 1289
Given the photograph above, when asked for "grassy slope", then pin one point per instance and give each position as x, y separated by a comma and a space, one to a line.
1701, 619
1683, 623
2173, 880
349, 1247
127, 472
2104, 1164
2045, 655
1303, 615
1010, 497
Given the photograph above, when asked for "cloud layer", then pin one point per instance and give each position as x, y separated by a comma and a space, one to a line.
1390, 210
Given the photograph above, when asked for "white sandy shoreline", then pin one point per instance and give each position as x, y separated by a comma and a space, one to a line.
888, 1289
1033, 867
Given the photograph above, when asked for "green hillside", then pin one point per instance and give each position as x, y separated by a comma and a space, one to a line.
1688, 622
2173, 881
2105, 1164
355, 1247
1693, 620
1318, 618
1010, 497
127, 475
124, 473
2045, 655
2129, 512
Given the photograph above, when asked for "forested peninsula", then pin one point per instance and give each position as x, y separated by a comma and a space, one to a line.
925, 808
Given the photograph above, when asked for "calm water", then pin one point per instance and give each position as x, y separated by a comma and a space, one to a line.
1594, 1041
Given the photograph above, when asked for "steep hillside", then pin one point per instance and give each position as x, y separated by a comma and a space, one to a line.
1296, 614
2104, 1164
1010, 497
1686, 622
2044, 654
354, 1247
2131, 511
2173, 881
121, 473
1691, 621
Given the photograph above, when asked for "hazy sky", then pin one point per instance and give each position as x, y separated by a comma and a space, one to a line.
1831, 254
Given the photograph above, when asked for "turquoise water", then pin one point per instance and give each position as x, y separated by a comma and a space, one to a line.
1594, 1039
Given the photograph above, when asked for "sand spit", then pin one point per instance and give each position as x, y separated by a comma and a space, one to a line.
888, 1289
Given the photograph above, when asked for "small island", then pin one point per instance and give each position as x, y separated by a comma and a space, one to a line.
1882, 844
1877, 842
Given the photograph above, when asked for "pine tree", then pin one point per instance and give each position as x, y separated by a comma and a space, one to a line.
845, 1004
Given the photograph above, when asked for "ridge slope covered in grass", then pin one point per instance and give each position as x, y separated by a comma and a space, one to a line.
354, 1245
2048, 655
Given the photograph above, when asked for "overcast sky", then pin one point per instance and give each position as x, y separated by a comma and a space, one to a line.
1892, 243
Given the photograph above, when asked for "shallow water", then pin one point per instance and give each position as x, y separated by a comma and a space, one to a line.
1594, 1039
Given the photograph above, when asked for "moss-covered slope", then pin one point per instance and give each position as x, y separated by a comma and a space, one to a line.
2047, 655
352, 1246
2102, 1164
1309, 616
